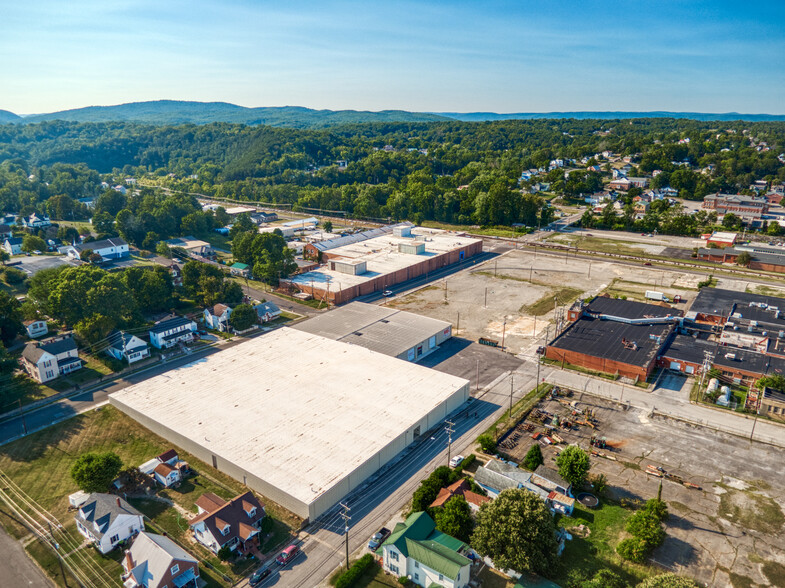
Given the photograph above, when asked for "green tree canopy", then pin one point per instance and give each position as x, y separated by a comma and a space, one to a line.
533, 458
10, 318
242, 224
455, 518
517, 532
573, 465
32, 243
243, 317
93, 472
668, 581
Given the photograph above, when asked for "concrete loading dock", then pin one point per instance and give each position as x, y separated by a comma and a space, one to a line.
299, 418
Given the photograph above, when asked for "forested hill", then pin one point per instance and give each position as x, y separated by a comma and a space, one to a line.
9, 117
172, 112
168, 112
611, 115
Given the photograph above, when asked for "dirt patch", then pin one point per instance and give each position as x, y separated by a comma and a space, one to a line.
751, 510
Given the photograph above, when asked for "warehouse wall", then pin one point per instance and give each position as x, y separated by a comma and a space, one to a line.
224, 465
599, 364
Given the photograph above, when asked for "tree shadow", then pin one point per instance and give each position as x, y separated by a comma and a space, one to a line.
35, 445
674, 552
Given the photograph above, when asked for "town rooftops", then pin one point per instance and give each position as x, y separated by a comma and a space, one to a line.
168, 323
689, 349
55, 346
102, 509
328, 244
167, 455
459, 488
629, 309
218, 309
13, 240
121, 340
151, 557
103, 244
720, 302
544, 473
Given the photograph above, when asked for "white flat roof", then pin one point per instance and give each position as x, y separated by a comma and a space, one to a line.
382, 255
297, 410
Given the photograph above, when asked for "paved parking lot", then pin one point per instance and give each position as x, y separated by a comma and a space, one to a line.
35, 263
465, 359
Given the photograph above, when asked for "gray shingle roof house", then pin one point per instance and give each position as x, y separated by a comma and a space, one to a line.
107, 520
155, 561
48, 359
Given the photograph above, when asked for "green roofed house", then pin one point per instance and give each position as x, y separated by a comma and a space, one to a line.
240, 269
428, 557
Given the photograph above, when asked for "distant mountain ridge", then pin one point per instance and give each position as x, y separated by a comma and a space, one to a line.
171, 112
167, 112
606, 115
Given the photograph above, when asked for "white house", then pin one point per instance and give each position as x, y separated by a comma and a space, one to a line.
114, 248
231, 524
217, 317
48, 359
36, 328
35, 221
107, 520
172, 330
166, 469
429, 557
155, 561
13, 245
123, 345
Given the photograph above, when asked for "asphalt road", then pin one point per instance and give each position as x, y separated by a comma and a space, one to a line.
18, 570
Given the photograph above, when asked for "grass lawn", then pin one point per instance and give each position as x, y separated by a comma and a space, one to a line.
374, 577
507, 232
490, 578
545, 304
598, 550
40, 464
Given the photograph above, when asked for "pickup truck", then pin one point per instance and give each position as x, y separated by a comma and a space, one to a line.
378, 538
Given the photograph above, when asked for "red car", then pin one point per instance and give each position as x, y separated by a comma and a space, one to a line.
287, 555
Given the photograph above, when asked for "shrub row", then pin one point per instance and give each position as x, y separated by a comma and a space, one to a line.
645, 526
350, 576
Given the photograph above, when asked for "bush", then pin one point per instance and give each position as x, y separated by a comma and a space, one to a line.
350, 576
487, 443
468, 460
267, 524
633, 549
11, 275
533, 458
646, 526
599, 483
224, 554
658, 508
668, 581
403, 581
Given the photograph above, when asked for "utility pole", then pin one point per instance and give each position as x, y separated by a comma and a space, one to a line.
57, 551
478, 375
458, 324
511, 380
531, 269
22, 414
485, 304
346, 518
504, 331
450, 431
494, 268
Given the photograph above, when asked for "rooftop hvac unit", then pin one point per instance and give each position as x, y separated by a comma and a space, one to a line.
750, 328
730, 356
730, 324
402, 231
782, 334
736, 315
754, 323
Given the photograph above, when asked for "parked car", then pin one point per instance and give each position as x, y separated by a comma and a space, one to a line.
378, 538
258, 576
387, 293
287, 555
456, 461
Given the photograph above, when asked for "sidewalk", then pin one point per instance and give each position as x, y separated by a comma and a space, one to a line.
674, 407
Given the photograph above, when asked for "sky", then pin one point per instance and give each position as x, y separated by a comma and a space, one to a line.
458, 56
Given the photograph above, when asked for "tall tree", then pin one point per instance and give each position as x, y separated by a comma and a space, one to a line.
517, 532
574, 465
10, 318
93, 472
455, 518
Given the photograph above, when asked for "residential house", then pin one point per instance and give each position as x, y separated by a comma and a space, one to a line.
428, 557
13, 245
217, 317
48, 359
106, 520
36, 221
267, 311
167, 469
114, 248
548, 478
231, 524
36, 328
172, 330
639, 182
259, 217
5, 231
618, 174
460, 488
88, 201
155, 561
620, 184
177, 274
193, 246
240, 269
126, 346
772, 404
120, 188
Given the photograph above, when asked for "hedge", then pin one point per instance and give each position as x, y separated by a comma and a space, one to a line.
468, 460
350, 576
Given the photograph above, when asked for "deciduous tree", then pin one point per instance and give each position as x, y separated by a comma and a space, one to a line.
573, 465
93, 472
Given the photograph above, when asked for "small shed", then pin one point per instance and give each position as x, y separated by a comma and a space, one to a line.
77, 499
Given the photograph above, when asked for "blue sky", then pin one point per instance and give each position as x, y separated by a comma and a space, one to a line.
517, 56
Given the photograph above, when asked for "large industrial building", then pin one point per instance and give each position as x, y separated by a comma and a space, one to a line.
299, 418
397, 333
615, 336
369, 262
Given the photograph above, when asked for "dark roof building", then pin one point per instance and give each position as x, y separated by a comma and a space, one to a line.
615, 336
